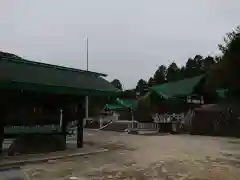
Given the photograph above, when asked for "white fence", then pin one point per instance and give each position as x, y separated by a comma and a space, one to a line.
181, 119
136, 126
167, 118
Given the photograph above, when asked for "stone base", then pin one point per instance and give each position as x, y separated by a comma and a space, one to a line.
133, 132
41, 143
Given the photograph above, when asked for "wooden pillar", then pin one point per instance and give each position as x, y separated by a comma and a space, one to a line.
79, 133
1, 135
80, 116
64, 122
3, 113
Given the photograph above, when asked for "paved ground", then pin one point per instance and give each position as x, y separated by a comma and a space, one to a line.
139, 157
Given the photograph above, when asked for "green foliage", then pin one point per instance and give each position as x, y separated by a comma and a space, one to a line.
117, 84
151, 82
226, 72
194, 66
128, 94
208, 62
142, 87
231, 39
159, 76
9, 56
173, 72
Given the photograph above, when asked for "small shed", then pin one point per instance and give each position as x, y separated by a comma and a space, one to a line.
123, 107
176, 97
217, 119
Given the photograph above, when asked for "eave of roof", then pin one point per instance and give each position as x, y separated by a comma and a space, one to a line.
128, 103
114, 107
22, 74
52, 66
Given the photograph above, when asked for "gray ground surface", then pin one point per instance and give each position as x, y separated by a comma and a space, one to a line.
13, 174
182, 157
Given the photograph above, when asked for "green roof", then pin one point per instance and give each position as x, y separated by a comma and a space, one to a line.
113, 107
34, 76
122, 104
128, 103
222, 92
175, 89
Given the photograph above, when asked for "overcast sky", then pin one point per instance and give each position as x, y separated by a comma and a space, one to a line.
128, 39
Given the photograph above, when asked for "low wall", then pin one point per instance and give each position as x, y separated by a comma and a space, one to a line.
37, 143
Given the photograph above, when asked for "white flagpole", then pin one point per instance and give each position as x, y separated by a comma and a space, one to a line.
86, 105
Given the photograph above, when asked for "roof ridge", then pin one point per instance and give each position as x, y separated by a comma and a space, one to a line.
18, 59
173, 82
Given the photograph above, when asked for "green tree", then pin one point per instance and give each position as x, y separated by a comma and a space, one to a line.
151, 82
208, 63
231, 59
198, 59
117, 84
230, 40
226, 72
128, 94
142, 87
159, 76
194, 66
182, 72
217, 59
173, 72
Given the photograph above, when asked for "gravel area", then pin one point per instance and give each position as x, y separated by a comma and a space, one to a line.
143, 157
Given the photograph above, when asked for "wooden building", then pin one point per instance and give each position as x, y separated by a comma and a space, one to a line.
39, 98
123, 107
172, 100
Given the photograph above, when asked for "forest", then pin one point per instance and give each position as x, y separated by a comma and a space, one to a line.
222, 71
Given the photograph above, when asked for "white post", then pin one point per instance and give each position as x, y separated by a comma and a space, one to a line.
132, 119
61, 117
86, 108
101, 122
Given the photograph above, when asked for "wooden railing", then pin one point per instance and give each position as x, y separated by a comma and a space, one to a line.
167, 118
180, 119
37, 128
137, 126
